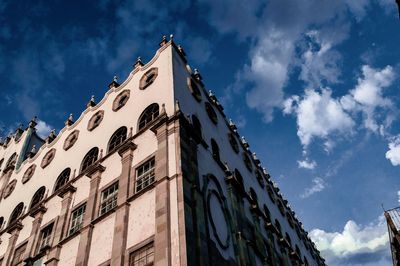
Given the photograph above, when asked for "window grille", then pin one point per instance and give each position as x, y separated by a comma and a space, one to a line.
109, 199
142, 257
62, 179
145, 175
148, 115
77, 219
18, 255
45, 237
117, 138
90, 158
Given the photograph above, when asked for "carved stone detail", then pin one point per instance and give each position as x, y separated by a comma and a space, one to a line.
95, 120
28, 173
48, 158
71, 139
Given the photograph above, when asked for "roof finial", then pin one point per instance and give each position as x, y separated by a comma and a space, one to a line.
244, 142
33, 151
163, 108
33, 122
171, 37
232, 125
138, 62
51, 136
114, 83
197, 75
91, 102
70, 120
177, 106
163, 41
182, 52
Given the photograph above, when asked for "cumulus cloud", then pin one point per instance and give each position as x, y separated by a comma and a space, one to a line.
355, 244
307, 164
393, 154
318, 115
43, 129
368, 94
318, 184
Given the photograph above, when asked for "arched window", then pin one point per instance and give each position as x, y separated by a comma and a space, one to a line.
12, 160
267, 213
197, 125
288, 239
16, 213
62, 179
238, 176
247, 161
215, 150
37, 197
253, 196
278, 227
90, 158
117, 138
148, 115
233, 142
260, 178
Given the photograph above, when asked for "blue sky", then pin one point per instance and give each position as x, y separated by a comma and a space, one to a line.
313, 86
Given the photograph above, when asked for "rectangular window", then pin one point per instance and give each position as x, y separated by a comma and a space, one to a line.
77, 219
45, 237
143, 256
109, 199
18, 255
145, 175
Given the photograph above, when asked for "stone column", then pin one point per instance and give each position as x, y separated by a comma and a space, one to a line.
122, 211
14, 231
62, 225
162, 241
87, 227
32, 240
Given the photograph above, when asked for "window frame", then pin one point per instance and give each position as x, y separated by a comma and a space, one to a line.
119, 135
140, 125
76, 226
149, 174
42, 245
109, 202
83, 163
137, 251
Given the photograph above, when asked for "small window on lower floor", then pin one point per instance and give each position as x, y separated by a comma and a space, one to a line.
18, 255
143, 256
45, 237
145, 175
109, 198
77, 219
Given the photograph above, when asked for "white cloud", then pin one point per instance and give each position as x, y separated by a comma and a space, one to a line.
320, 115
367, 97
43, 129
319, 63
307, 164
318, 184
393, 154
354, 244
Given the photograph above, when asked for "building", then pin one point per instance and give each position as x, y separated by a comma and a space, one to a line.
153, 174
393, 222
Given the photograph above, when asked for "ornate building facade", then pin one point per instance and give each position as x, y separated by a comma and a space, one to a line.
153, 174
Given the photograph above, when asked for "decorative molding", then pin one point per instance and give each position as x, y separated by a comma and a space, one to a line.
10, 188
95, 120
28, 173
48, 158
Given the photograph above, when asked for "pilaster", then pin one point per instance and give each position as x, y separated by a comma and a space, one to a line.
162, 239
87, 228
14, 231
122, 212
62, 225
